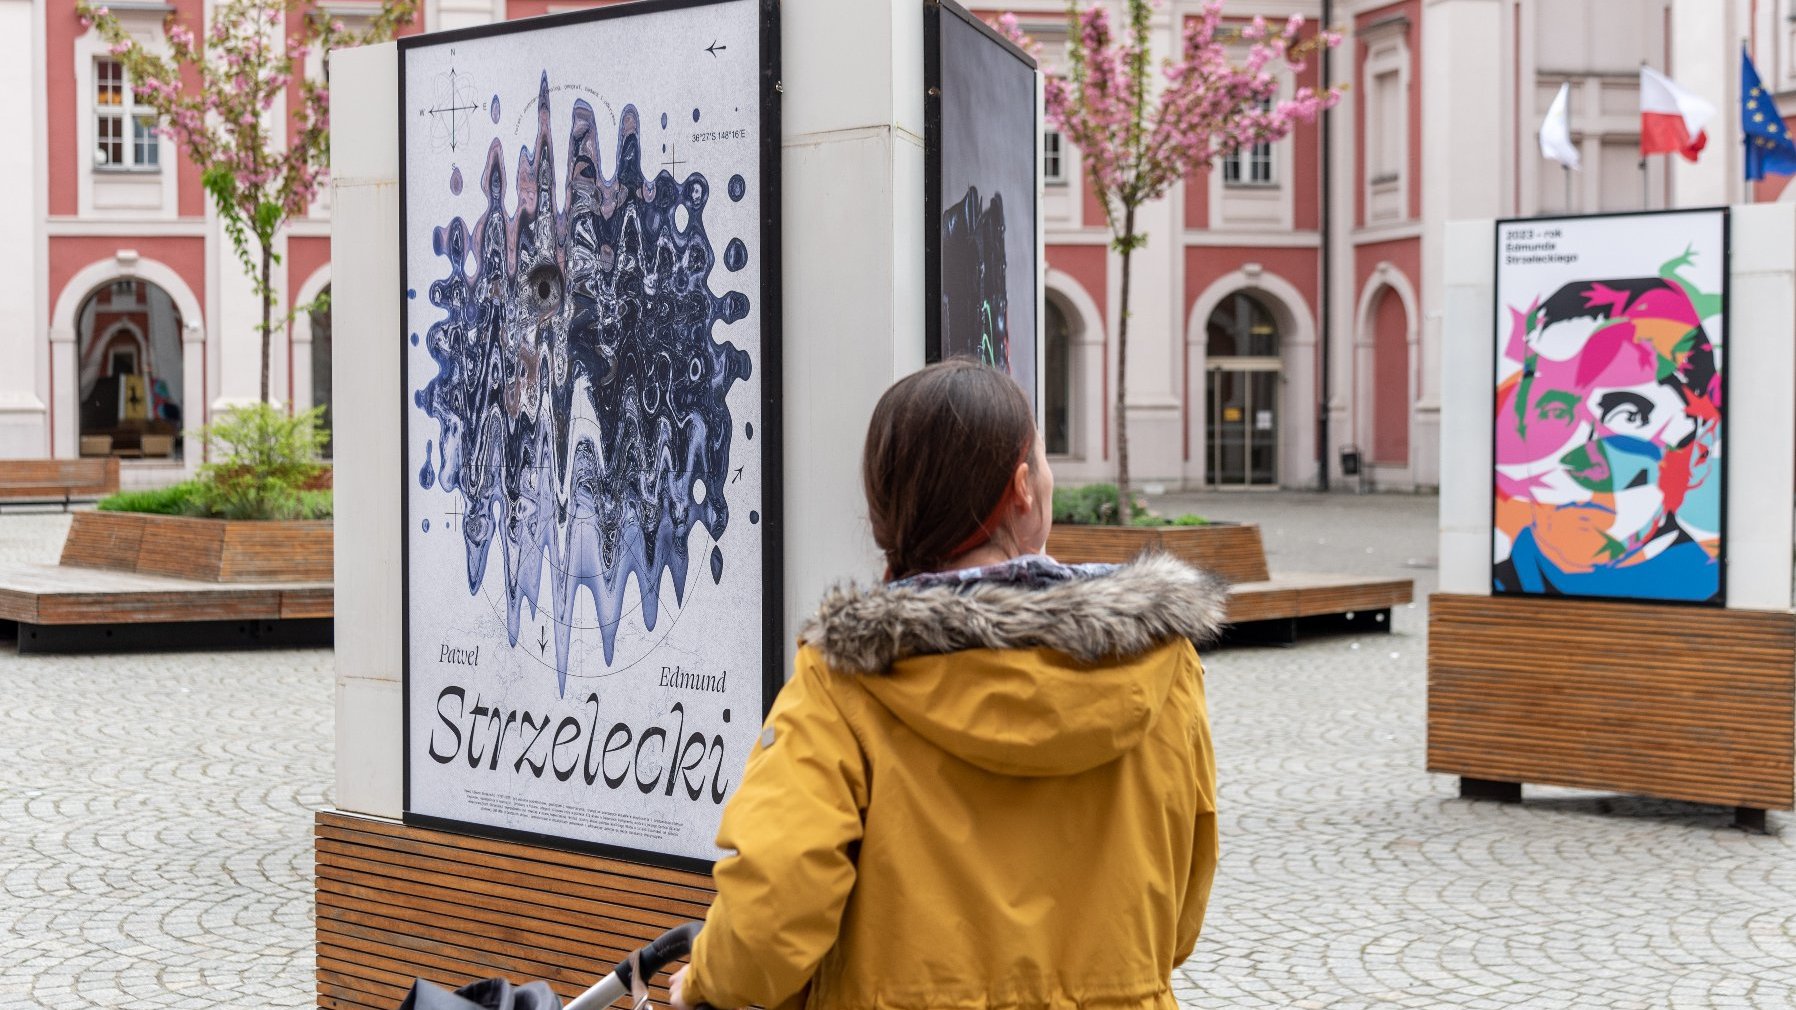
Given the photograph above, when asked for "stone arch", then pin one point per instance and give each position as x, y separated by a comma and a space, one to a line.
300, 343
1085, 333
1296, 323
1371, 361
126, 264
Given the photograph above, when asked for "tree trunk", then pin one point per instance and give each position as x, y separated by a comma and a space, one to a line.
1123, 512
267, 293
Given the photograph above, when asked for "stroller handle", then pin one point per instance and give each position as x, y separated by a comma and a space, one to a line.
658, 954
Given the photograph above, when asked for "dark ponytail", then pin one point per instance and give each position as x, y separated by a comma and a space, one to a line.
942, 448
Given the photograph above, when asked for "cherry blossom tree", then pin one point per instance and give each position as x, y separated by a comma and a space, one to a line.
214, 93
1139, 135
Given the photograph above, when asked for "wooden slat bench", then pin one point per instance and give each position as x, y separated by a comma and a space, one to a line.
1262, 607
56, 481
64, 607
1683, 703
397, 902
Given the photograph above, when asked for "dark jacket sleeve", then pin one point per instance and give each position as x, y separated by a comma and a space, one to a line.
790, 830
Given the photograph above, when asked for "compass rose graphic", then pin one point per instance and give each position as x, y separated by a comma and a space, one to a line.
452, 104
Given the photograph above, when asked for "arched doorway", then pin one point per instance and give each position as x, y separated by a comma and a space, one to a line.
1390, 380
1243, 370
320, 318
129, 382
1057, 382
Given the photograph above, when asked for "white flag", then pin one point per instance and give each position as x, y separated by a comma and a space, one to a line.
1555, 130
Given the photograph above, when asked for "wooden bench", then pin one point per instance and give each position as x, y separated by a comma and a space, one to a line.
56, 481
396, 902
1262, 607
1682, 703
67, 608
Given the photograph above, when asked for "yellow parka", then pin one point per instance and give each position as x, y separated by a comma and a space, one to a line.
983, 795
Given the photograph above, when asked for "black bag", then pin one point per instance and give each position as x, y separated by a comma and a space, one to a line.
486, 994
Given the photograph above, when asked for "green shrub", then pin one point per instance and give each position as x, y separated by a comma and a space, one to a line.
174, 500
262, 460
1095, 505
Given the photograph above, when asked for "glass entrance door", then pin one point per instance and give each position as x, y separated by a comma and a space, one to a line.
1242, 436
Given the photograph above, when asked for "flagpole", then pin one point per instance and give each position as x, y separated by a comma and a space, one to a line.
1646, 190
1565, 169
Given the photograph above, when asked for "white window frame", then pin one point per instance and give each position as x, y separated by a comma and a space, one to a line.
109, 193
1247, 206
1258, 164
1782, 33
1387, 51
129, 117
1053, 157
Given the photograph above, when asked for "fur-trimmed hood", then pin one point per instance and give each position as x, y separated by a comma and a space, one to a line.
1136, 607
1025, 679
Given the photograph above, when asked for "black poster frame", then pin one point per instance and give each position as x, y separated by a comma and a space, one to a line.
1499, 337
933, 13
771, 434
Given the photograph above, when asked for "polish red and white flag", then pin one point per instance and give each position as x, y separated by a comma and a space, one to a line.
1671, 118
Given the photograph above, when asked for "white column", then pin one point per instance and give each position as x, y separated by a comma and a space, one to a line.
1464, 66
365, 264
1705, 59
853, 114
63, 368
236, 324
1469, 302
22, 415
1761, 366
1156, 324
193, 397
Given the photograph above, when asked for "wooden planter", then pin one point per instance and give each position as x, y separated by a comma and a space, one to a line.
1684, 703
207, 550
1230, 550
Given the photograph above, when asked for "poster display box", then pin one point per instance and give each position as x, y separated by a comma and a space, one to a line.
1618, 616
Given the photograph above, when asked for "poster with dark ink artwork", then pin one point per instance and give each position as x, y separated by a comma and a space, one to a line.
981, 195
591, 455
1610, 407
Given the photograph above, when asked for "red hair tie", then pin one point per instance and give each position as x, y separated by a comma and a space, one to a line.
990, 525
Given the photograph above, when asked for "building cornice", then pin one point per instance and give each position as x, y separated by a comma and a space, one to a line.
59, 227
1386, 233
1254, 239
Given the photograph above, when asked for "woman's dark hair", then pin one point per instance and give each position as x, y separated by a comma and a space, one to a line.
941, 450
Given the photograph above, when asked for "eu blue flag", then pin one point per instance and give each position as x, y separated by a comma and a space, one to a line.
1768, 146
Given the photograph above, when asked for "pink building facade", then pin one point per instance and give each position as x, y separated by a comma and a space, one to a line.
118, 267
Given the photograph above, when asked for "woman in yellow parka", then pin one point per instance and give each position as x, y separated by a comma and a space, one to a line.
989, 782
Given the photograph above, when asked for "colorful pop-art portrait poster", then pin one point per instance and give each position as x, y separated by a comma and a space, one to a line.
981, 207
1610, 409
591, 448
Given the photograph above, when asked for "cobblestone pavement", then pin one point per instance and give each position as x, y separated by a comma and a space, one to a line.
155, 820
155, 829
1351, 878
